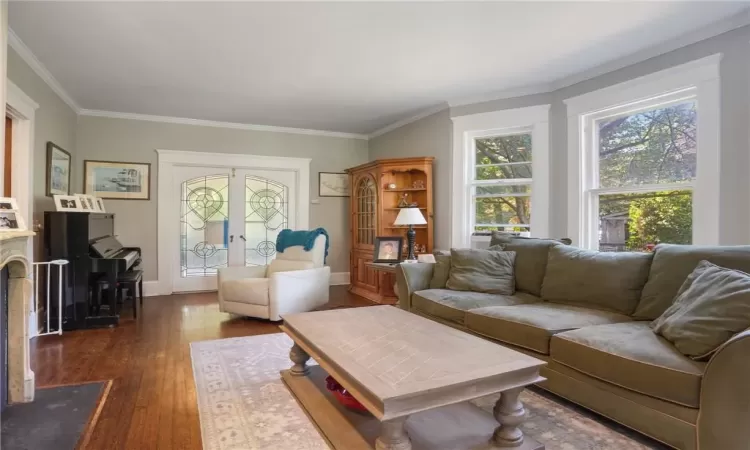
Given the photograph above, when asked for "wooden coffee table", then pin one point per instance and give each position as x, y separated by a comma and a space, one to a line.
413, 375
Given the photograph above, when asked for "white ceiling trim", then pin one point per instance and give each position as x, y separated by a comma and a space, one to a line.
216, 124
408, 120
25, 53
501, 95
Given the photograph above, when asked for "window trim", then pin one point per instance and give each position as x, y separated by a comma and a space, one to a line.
697, 79
534, 119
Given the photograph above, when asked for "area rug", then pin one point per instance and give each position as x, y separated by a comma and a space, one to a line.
244, 405
57, 419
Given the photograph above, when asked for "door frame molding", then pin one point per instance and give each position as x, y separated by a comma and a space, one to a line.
168, 160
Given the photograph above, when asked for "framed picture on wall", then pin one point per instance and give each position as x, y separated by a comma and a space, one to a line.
333, 184
117, 180
58, 170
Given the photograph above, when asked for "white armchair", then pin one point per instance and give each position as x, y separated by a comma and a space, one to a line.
296, 281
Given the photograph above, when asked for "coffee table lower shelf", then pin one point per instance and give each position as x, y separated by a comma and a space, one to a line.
461, 426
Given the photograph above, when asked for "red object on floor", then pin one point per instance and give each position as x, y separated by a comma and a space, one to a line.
342, 395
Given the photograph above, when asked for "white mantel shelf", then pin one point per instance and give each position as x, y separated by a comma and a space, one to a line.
4, 235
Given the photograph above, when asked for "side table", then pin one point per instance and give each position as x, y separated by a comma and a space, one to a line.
386, 275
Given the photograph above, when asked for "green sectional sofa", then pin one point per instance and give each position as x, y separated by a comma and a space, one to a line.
588, 314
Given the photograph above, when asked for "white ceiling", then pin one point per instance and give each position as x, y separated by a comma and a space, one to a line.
348, 67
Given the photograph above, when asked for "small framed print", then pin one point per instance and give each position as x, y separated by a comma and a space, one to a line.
58, 170
388, 249
11, 221
88, 202
100, 204
70, 203
117, 180
333, 184
8, 204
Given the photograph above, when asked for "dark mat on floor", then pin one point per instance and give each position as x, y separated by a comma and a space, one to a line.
55, 420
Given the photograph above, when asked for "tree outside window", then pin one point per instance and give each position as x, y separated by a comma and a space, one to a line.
646, 166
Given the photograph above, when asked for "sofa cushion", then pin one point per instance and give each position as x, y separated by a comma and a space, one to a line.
631, 356
711, 306
531, 262
482, 271
603, 280
506, 237
452, 305
253, 291
672, 265
531, 326
440, 272
285, 265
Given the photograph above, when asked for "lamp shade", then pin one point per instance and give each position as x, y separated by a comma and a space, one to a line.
410, 216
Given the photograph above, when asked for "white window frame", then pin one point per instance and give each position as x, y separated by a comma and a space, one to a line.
533, 119
697, 80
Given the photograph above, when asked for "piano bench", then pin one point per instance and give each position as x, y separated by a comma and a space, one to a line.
132, 280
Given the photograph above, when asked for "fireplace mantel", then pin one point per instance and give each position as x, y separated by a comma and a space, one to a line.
13, 253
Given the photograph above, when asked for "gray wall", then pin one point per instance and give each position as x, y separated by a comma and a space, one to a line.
735, 140
54, 121
430, 136
136, 141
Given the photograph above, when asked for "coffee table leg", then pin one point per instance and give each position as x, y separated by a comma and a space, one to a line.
299, 357
509, 411
393, 436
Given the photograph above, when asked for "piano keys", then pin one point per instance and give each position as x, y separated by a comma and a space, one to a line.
95, 255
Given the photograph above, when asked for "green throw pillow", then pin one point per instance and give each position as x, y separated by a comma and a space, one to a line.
440, 271
712, 305
478, 270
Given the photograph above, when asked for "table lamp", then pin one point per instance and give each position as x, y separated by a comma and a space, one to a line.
410, 216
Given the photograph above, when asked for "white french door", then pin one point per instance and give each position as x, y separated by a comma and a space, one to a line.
228, 217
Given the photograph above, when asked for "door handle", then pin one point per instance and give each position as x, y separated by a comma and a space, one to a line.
243, 238
231, 238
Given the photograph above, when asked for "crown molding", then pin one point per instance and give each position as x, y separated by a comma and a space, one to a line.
501, 95
217, 124
408, 120
26, 54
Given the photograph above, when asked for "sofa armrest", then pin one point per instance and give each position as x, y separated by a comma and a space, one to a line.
298, 291
236, 273
410, 278
725, 397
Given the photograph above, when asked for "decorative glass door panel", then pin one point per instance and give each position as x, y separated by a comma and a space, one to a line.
366, 218
266, 214
204, 220
227, 218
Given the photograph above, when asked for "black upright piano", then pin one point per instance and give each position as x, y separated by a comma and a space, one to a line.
95, 256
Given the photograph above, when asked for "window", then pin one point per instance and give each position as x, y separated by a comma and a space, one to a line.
643, 162
501, 186
500, 174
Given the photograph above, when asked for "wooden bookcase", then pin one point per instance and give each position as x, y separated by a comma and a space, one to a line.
374, 207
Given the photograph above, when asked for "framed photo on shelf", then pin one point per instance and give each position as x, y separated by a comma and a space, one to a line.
58, 170
10, 216
332, 184
70, 203
388, 249
88, 202
117, 180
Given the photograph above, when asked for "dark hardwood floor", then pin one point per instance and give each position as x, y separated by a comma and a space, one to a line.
152, 401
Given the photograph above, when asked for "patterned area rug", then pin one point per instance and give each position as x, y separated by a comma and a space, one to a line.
244, 405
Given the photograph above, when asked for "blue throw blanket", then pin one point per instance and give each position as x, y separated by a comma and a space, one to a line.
289, 238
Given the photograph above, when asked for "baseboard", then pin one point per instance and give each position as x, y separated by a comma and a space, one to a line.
150, 288
339, 278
